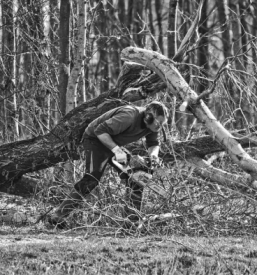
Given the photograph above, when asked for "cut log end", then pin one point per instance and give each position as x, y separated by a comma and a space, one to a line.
254, 184
183, 106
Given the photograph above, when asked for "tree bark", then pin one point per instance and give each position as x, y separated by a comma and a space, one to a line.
71, 94
64, 53
172, 28
203, 53
223, 13
14, 72
158, 9
102, 68
236, 29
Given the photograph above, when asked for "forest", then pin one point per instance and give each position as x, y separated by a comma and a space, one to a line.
63, 63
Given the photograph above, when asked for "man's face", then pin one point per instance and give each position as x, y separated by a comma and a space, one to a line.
157, 124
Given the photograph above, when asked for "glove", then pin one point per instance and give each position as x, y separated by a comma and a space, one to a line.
155, 161
120, 155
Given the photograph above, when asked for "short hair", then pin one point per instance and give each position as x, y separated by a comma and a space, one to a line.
157, 109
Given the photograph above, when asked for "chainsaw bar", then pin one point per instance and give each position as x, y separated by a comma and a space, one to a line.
141, 177
145, 179
138, 162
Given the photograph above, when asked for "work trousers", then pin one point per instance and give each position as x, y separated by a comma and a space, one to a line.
97, 157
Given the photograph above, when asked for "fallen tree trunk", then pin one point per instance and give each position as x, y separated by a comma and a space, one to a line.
206, 145
207, 171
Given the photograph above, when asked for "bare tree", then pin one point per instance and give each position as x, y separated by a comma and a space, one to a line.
223, 12
64, 60
79, 52
203, 48
14, 74
237, 32
172, 28
158, 9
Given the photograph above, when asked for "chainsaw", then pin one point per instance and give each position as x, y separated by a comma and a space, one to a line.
135, 171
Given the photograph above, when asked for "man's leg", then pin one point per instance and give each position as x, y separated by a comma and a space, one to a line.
134, 195
97, 156
69, 204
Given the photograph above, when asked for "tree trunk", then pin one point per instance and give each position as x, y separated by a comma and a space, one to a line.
223, 13
14, 75
158, 9
90, 39
203, 61
102, 68
64, 52
114, 57
149, 16
236, 29
136, 29
3, 121
245, 32
71, 94
172, 28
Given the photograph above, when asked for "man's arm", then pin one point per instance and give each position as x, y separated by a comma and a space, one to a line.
107, 140
153, 151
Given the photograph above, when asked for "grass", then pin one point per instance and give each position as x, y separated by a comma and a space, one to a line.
80, 253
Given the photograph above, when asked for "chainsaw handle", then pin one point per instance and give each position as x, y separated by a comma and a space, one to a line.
127, 153
124, 168
117, 164
128, 157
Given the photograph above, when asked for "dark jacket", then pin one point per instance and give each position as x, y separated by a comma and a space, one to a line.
125, 125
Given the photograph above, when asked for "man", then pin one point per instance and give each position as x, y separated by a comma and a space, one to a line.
103, 139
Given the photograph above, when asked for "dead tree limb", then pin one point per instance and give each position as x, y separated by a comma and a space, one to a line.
177, 85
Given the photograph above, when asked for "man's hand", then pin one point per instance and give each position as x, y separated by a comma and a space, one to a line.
155, 161
120, 155
153, 153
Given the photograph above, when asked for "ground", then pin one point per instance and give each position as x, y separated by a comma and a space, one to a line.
88, 251
28, 246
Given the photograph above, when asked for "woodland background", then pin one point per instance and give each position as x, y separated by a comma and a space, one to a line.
50, 65
39, 48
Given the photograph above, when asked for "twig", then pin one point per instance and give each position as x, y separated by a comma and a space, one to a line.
210, 91
41, 217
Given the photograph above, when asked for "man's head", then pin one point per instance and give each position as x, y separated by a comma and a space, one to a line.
156, 114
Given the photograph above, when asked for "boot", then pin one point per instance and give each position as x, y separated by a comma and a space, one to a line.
69, 204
